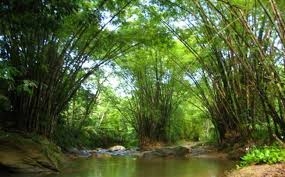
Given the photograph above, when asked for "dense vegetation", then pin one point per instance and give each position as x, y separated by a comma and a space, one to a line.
96, 73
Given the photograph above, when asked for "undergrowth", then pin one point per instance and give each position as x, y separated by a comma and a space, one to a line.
263, 155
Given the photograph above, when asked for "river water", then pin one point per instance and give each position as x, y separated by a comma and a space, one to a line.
135, 167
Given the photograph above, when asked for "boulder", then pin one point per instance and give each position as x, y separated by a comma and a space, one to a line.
73, 150
179, 151
114, 151
117, 148
19, 153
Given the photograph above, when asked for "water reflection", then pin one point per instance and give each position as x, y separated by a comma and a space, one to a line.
131, 167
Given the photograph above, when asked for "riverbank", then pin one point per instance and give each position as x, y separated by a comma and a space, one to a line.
258, 161
275, 170
27, 153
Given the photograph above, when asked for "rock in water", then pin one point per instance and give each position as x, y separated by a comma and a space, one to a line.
84, 153
79, 153
117, 148
73, 150
179, 151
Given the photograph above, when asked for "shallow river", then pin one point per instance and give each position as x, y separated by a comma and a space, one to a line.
132, 167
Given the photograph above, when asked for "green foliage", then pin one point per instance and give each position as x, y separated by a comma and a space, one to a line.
106, 138
260, 132
90, 135
67, 137
110, 126
264, 155
55, 46
100, 126
7, 74
231, 49
189, 124
156, 93
27, 86
4, 103
230, 59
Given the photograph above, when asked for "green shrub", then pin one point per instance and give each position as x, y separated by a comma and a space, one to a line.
261, 133
110, 137
264, 155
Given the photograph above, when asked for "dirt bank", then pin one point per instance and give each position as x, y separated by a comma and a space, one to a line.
276, 170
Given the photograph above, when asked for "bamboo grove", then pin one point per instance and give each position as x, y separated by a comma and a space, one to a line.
240, 48
156, 94
44, 45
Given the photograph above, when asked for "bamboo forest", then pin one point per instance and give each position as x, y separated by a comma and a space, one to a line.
142, 88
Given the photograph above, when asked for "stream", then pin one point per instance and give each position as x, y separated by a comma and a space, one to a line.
136, 167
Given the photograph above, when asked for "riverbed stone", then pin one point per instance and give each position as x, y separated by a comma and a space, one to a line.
80, 153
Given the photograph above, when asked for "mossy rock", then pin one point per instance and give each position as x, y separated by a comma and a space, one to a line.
28, 153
